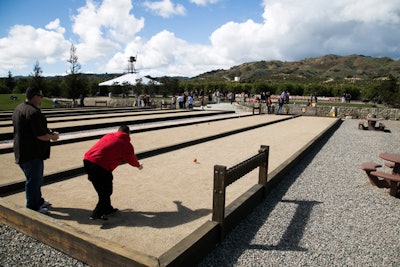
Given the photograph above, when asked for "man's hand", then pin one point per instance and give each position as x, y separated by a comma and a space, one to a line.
140, 167
55, 136
49, 137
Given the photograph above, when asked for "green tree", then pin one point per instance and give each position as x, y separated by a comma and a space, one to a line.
93, 87
3, 88
53, 87
37, 79
370, 91
10, 82
74, 83
169, 86
22, 85
389, 91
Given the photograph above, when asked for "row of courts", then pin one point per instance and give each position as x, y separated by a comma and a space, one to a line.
171, 198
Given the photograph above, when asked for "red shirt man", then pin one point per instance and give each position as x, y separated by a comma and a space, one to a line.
99, 162
111, 150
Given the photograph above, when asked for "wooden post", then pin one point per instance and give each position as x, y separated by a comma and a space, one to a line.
219, 196
263, 172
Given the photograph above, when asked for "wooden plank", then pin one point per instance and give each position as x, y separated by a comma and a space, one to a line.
263, 169
385, 175
394, 180
101, 102
79, 245
370, 166
219, 191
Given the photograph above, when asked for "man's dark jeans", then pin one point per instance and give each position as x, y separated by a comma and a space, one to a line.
102, 183
33, 171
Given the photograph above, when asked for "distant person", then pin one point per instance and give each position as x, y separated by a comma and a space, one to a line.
283, 95
190, 102
231, 97
348, 97
185, 97
218, 97
180, 101
269, 104
173, 102
100, 161
287, 97
280, 104
202, 102
32, 146
81, 101
55, 103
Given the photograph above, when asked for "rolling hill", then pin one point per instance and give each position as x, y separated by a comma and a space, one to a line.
328, 68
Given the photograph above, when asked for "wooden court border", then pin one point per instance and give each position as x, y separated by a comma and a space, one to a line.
189, 251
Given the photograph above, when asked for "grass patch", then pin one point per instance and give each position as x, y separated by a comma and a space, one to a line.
7, 103
353, 104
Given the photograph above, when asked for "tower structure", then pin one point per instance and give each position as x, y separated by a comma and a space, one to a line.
131, 67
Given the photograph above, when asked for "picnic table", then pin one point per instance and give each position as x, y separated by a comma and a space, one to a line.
388, 180
371, 124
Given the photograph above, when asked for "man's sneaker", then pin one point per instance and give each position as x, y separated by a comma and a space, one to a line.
45, 204
96, 217
111, 212
43, 210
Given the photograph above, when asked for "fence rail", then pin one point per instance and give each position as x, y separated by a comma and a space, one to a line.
223, 177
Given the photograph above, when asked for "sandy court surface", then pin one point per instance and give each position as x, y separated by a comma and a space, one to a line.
172, 195
70, 156
105, 119
94, 116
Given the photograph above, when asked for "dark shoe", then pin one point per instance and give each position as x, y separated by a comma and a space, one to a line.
45, 204
110, 212
96, 217
43, 210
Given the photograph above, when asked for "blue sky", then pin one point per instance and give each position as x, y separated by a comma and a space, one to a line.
187, 38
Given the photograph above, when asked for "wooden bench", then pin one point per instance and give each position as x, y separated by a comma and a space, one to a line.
166, 104
389, 165
369, 167
100, 102
64, 103
392, 179
371, 125
257, 106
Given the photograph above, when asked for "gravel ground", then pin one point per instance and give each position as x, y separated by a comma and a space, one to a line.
325, 213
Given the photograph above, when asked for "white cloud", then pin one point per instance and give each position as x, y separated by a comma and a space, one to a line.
108, 34
165, 54
55, 25
165, 8
367, 11
103, 29
295, 30
204, 2
289, 31
25, 44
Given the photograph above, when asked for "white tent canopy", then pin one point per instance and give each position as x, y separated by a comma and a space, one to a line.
129, 79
